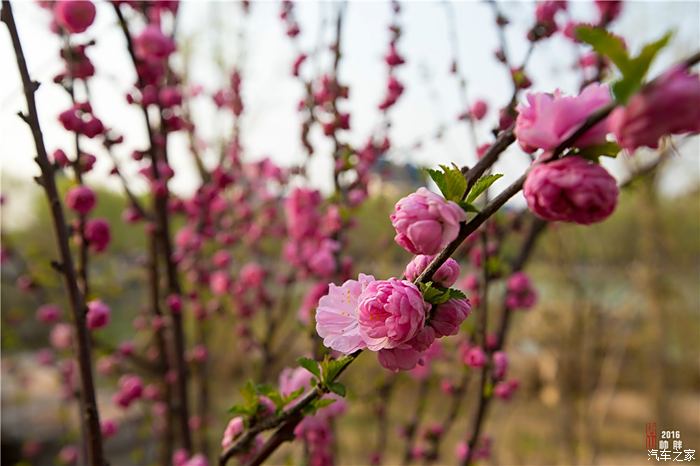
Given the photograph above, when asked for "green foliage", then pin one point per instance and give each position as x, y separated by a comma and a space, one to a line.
450, 181
481, 185
632, 69
315, 405
251, 398
331, 368
310, 365
606, 149
435, 294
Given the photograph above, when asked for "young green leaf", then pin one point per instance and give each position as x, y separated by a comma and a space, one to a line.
637, 68
435, 294
606, 149
606, 44
323, 402
293, 396
310, 365
337, 388
468, 207
439, 178
455, 182
481, 185
331, 368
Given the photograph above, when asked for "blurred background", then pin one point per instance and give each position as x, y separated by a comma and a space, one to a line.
614, 342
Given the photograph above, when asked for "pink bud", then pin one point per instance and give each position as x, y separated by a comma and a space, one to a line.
48, 313
97, 234
74, 15
81, 199
97, 315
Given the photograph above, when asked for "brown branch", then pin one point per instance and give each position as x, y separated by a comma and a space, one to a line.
163, 234
90, 414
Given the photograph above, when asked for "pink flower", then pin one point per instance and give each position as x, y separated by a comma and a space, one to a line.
130, 389
475, 357
301, 212
234, 428
152, 44
61, 336
97, 233
220, 282
390, 312
422, 369
74, 15
478, 109
402, 358
571, 190
505, 389
174, 302
48, 313
549, 119
608, 9
97, 315
109, 428
446, 274
425, 222
447, 317
68, 454
310, 301
252, 275
670, 105
336, 315
197, 460
81, 199
520, 294
500, 364
546, 10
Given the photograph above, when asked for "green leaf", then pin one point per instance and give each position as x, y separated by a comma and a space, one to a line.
637, 68
250, 394
331, 368
450, 181
468, 207
456, 183
337, 388
439, 178
606, 44
481, 185
293, 396
323, 402
310, 365
435, 294
606, 149
240, 410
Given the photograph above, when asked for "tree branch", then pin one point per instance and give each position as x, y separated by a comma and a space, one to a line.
90, 415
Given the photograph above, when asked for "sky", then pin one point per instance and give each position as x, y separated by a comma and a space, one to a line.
270, 125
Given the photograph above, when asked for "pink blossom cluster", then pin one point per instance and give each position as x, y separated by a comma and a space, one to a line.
80, 119
520, 293
311, 246
386, 316
130, 389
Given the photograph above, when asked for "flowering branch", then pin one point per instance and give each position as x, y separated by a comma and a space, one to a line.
90, 415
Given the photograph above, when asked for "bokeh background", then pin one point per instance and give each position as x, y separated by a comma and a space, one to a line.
615, 340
